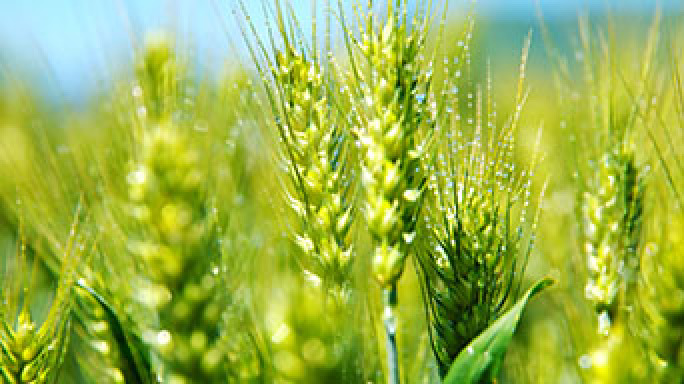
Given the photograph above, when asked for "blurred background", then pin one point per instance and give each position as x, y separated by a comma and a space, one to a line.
71, 45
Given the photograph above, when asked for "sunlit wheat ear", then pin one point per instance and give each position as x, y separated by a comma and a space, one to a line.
173, 233
31, 352
479, 228
314, 148
393, 120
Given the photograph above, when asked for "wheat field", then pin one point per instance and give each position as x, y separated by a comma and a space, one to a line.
405, 191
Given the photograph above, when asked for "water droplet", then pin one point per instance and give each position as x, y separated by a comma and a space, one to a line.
163, 337
585, 361
137, 91
604, 323
142, 112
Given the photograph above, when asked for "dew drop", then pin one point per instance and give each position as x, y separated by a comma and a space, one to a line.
585, 361
163, 337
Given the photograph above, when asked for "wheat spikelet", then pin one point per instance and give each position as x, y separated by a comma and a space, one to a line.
610, 204
308, 341
392, 116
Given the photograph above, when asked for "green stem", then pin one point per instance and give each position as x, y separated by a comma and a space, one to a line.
390, 320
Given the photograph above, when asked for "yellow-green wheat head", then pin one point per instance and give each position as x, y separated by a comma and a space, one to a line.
308, 342
611, 191
314, 150
393, 119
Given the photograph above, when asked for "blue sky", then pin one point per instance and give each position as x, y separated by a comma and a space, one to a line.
73, 43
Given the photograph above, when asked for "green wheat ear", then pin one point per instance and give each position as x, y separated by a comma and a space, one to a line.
314, 148
31, 352
478, 228
393, 119
611, 195
313, 339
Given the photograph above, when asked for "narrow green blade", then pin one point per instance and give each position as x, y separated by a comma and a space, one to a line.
481, 359
132, 349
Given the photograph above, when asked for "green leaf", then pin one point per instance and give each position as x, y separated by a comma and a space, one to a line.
482, 358
139, 369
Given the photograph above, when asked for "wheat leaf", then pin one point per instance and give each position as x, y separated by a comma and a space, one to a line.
139, 369
480, 360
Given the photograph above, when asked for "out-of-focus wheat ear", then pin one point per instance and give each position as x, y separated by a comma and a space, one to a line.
172, 221
659, 307
611, 211
611, 201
